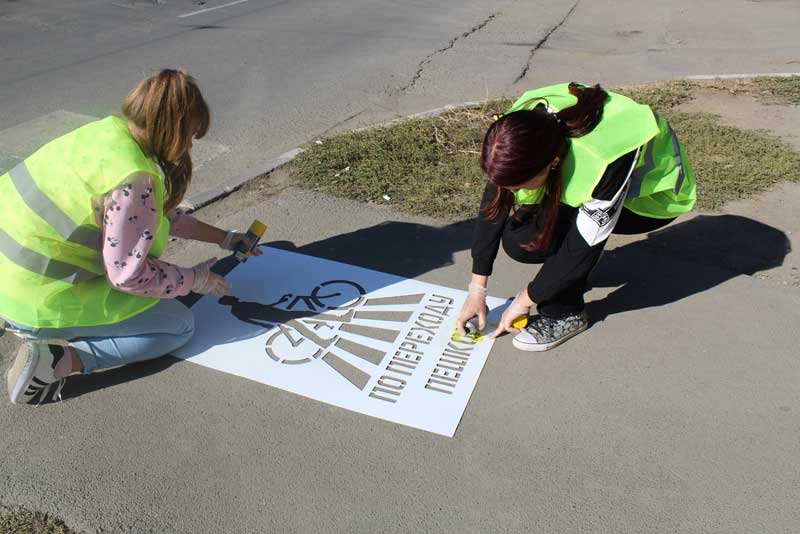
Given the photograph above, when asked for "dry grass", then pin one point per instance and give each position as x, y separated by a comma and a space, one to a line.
425, 166
430, 166
19, 521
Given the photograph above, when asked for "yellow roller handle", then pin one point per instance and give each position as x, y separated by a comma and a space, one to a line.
258, 228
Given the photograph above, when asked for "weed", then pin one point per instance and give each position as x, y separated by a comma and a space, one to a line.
18, 521
431, 166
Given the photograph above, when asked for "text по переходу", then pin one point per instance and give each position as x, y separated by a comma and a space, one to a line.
405, 360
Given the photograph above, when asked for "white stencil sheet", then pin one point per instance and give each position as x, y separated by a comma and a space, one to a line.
363, 340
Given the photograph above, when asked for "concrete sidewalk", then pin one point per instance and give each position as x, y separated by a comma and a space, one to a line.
676, 412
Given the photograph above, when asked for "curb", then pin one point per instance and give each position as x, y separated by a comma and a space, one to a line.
224, 189
740, 76
424, 114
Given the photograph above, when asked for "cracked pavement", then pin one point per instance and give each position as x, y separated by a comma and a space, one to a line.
450, 45
543, 40
278, 73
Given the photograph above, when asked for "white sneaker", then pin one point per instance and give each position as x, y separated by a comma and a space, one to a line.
32, 373
544, 333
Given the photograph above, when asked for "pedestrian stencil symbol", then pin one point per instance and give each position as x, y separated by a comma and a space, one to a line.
363, 340
315, 326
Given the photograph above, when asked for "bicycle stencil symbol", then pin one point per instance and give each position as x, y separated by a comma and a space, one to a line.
340, 295
300, 318
309, 327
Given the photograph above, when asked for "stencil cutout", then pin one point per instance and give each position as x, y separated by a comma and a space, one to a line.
363, 340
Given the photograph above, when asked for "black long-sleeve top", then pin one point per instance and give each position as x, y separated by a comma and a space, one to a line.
579, 239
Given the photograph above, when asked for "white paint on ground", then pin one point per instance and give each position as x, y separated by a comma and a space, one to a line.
206, 10
741, 76
363, 340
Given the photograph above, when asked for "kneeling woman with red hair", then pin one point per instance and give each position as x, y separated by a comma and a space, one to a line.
567, 166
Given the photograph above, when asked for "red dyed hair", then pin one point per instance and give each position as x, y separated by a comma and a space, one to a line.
519, 145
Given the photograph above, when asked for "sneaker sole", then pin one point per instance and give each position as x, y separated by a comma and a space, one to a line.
19, 376
541, 347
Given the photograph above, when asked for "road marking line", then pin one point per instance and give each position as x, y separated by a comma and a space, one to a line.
211, 8
742, 75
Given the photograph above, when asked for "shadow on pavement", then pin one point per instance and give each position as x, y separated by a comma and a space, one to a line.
82, 384
399, 248
684, 259
671, 264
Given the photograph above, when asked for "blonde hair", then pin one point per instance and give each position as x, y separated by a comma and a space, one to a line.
164, 112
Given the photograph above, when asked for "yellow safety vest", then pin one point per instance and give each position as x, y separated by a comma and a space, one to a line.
51, 263
662, 183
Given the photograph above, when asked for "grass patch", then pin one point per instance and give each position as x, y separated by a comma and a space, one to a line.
785, 89
424, 166
731, 163
25, 522
776, 90
661, 96
430, 166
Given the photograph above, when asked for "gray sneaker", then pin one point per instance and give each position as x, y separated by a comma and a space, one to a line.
32, 373
543, 333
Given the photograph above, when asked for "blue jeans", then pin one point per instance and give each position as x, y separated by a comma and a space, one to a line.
155, 332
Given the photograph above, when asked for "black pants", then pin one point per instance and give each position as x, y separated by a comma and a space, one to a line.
579, 259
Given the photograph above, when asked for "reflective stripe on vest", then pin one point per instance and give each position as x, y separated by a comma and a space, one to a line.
678, 160
649, 164
637, 179
51, 260
37, 263
41, 204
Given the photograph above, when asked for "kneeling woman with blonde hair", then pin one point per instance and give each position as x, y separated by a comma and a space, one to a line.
86, 218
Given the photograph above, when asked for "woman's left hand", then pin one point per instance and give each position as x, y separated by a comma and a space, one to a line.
233, 238
521, 305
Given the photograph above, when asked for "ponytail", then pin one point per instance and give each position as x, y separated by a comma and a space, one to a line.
164, 112
580, 119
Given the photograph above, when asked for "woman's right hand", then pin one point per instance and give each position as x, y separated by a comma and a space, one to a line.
474, 305
208, 283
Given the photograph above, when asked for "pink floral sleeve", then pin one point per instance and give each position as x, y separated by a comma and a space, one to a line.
181, 224
129, 224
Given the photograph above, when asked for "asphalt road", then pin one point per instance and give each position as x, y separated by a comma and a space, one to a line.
676, 412
278, 73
